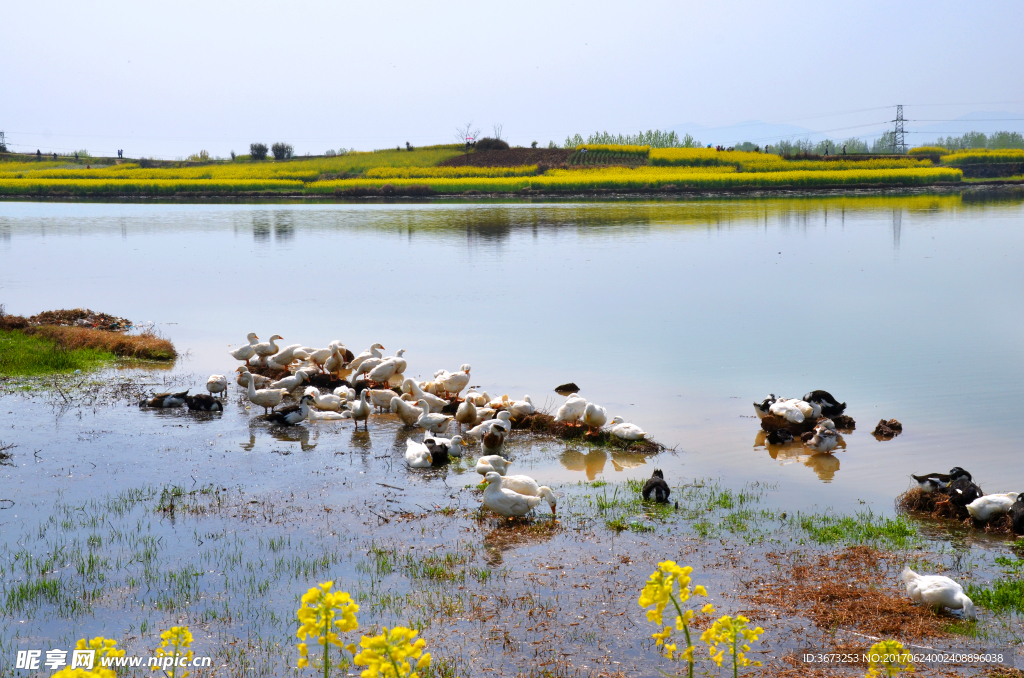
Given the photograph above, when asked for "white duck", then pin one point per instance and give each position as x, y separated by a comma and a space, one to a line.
454, 382
479, 399
345, 393
244, 375
248, 351
268, 348
291, 382
318, 356
400, 362
432, 421
937, 591
381, 397
789, 410
455, 446
466, 413
522, 408
502, 403
267, 398
594, 416
492, 462
383, 371
336, 361
286, 356
361, 411
571, 411
623, 430
217, 383
528, 486
433, 402
824, 440
417, 454
506, 502
326, 402
373, 352
409, 414
991, 505
502, 419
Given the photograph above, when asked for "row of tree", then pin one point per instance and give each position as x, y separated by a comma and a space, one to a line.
281, 151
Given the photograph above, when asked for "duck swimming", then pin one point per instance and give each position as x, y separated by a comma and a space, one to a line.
165, 400
656, 486
204, 403
449, 447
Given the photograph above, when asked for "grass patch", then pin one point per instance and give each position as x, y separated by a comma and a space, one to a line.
22, 355
1004, 595
862, 528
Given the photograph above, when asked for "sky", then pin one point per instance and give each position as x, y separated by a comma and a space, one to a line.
169, 79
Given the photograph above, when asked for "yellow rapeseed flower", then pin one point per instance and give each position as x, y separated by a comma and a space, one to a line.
175, 642
389, 654
731, 635
889, 658
317, 619
104, 647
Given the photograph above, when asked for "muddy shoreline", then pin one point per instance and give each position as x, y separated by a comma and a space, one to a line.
377, 196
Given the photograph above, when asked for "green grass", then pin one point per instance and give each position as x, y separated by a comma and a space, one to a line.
862, 528
1004, 595
24, 356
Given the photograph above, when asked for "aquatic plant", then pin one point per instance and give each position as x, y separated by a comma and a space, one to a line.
103, 647
671, 583
731, 634
390, 654
316, 617
175, 642
888, 658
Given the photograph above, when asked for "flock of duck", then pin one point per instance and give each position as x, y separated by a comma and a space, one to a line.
815, 406
370, 381
962, 492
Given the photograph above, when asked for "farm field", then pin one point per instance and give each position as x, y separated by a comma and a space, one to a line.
447, 170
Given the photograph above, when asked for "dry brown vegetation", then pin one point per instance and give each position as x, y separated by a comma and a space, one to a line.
145, 346
935, 504
854, 589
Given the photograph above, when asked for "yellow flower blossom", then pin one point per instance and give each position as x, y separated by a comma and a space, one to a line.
388, 655
881, 653
731, 635
103, 647
671, 583
317, 619
175, 642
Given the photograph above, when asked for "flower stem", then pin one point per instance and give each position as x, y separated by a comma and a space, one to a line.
327, 645
686, 630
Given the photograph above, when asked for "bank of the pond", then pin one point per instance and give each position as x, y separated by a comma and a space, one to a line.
23, 355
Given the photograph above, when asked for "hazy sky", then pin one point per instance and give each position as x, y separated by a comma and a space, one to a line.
169, 79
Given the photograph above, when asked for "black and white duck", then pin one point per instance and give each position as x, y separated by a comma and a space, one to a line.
165, 400
963, 491
824, 440
656, 486
291, 415
761, 408
204, 403
779, 437
1017, 514
930, 482
830, 406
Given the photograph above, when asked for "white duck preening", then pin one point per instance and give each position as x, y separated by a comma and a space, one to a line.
381, 397
336, 361
790, 410
466, 413
522, 408
267, 398
409, 414
594, 416
268, 348
217, 383
623, 430
286, 356
991, 505
571, 410
938, 591
434, 403
327, 402
502, 419
417, 455
528, 486
506, 502
248, 351
361, 411
479, 399
492, 463
432, 421
384, 371
244, 375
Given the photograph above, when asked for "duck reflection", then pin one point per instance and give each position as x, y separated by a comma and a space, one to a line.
513, 533
825, 466
592, 462
292, 434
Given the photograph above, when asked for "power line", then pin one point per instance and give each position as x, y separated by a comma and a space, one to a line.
899, 142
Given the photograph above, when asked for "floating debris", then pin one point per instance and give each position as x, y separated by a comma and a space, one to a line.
887, 429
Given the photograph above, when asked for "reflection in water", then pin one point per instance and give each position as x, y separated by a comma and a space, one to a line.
260, 227
513, 533
824, 465
592, 462
897, 225
284, 228
292, 434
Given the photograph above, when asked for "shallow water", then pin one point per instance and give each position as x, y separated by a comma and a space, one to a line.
676, 315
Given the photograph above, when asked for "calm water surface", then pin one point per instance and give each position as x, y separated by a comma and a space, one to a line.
674, 315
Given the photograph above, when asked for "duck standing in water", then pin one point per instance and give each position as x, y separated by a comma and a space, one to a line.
204, 403
506, 502
657, 487
165, 400
217, 383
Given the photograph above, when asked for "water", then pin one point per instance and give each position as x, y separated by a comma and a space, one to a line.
675, 315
